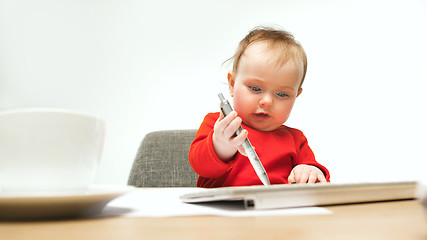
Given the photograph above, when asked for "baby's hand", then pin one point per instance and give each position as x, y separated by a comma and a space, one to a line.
306, 174
224, 142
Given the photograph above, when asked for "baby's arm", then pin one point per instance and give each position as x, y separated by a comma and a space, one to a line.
224, 142
306, 174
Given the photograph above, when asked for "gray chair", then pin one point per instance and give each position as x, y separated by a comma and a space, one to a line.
162, 160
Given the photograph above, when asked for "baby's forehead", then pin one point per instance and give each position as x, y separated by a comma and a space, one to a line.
273, 53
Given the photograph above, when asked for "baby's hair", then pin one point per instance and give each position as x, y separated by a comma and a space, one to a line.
281, 41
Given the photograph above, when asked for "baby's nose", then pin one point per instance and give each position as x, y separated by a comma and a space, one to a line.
266, 100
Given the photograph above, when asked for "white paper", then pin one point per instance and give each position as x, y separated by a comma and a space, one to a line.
165, 202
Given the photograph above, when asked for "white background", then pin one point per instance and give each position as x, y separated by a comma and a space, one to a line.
153, 65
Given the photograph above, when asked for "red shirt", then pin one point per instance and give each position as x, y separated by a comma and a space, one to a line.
279, 151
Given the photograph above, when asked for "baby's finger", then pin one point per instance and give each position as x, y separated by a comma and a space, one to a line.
291, 178
231, 129
238, 140
313, 178
242, 150
321, 178
222, 123
303, 177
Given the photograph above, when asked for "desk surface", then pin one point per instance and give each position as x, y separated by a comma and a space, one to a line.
385, 220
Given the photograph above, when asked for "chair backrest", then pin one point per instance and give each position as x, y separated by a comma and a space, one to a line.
162, 160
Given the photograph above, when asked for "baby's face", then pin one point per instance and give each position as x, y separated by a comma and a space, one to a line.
263, 91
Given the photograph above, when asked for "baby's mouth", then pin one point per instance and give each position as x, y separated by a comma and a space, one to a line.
261, 115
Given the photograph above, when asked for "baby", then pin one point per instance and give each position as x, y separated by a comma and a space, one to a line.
269, 67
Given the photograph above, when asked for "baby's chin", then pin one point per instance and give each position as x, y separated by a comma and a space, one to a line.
262, 127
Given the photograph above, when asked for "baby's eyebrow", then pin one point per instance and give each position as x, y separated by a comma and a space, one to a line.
254, 79
287, 88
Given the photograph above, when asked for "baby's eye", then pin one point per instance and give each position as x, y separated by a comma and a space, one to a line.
255, 89
281, 94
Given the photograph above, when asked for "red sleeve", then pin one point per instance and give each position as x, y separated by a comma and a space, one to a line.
202, 155
305, 154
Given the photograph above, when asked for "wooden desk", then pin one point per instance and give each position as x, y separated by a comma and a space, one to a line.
386, 220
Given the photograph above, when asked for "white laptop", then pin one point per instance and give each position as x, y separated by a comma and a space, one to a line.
303, 195
422, 195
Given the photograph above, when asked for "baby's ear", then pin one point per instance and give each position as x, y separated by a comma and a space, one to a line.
230, 77
299, 92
